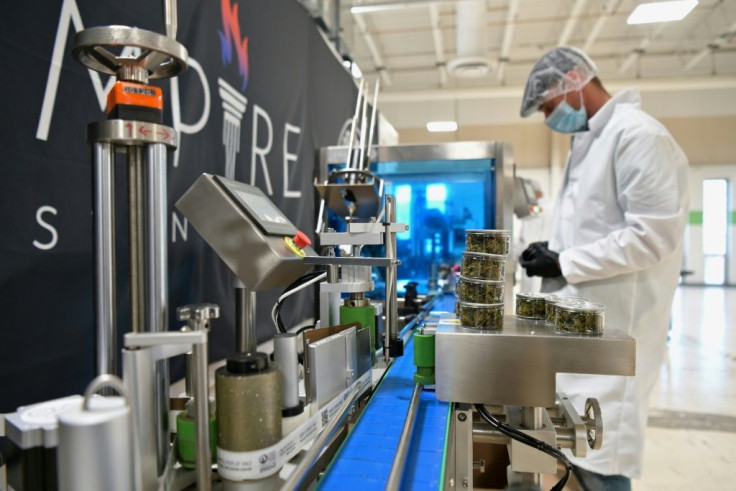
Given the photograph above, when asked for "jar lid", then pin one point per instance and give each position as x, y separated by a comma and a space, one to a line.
479, 305
477, 280
588, 307
574, 299
532, 296
483, 255
488, 232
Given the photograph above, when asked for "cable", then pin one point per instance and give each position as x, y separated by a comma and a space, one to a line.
299, 281
533, 442
305, 328
298, 285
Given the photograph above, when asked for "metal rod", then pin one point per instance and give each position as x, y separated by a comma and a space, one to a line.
392, 307
363, 133
397, 468
372, 124
157, 290
105, 305
246, 338
135, 237
320, 217
296, 478
170, 21
533, 419
482, 433
138, 366
349, 160
202, 428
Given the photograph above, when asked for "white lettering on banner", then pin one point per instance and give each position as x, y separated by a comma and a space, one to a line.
290, 157
47, 226
238, 466
261, 152
176, 224
69, 15
179, 125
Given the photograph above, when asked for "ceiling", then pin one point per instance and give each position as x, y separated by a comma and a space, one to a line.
410, 46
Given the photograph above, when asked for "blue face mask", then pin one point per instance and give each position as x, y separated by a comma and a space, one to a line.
566, 119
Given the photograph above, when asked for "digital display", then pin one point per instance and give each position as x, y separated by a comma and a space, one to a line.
263, 209
257, 207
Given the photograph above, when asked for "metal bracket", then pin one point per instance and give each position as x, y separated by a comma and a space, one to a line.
463, 421
575, 423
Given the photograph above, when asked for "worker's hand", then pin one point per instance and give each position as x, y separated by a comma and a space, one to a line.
538, 260
530, 251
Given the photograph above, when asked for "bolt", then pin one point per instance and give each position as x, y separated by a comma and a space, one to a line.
465, 482
452, 483
462, 416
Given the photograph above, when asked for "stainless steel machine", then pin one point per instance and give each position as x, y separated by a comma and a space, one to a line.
513, 372
338, 401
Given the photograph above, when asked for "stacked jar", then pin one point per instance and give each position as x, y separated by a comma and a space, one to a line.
480, 288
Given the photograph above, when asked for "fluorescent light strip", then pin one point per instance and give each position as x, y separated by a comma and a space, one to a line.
366, 9
648, 13
441, 126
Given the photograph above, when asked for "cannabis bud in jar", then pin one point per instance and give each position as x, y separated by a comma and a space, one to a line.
530, 305
479, 291
482, 266
579, 317
488, 241
480, 316
550, 302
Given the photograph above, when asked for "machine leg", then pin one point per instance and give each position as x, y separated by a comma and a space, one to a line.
105, 302
246, 335
157, 288
463, 415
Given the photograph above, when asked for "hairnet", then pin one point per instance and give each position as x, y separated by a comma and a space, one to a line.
549, 77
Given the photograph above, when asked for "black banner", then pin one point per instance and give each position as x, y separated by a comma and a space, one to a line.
262, 92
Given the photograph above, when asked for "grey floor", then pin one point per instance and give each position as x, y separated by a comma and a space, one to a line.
691, 438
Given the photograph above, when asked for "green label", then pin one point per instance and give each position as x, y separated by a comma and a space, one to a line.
695, 217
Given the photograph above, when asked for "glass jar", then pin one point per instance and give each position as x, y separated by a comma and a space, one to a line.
488, 241
480, 316
479, 291
551, 300
480, 266
531, 305
573, 317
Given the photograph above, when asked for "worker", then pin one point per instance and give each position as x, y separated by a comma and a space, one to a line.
616, 238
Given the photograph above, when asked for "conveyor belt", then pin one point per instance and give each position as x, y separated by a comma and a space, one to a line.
364, 461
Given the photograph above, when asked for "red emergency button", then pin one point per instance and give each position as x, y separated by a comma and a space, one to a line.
301, 240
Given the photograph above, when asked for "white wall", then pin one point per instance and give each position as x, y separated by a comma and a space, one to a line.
694, 258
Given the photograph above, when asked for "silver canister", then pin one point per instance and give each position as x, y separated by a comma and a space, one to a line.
96, 442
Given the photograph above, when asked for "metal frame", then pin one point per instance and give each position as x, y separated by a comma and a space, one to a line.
501, 153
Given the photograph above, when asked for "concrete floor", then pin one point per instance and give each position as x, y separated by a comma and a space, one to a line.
691, 439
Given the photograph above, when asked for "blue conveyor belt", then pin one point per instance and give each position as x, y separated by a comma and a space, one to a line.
364, 460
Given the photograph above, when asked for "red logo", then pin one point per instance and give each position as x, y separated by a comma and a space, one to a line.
230, 37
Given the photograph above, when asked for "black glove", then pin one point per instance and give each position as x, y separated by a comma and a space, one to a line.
531, 251
538, 260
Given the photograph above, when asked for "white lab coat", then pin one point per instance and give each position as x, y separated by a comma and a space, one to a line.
618, 225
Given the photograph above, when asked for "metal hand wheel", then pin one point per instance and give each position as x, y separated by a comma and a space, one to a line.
161, 56
593, 423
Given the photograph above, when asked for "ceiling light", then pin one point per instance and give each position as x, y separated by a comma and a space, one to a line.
365, 9
647, 13
353, 68
441, 126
